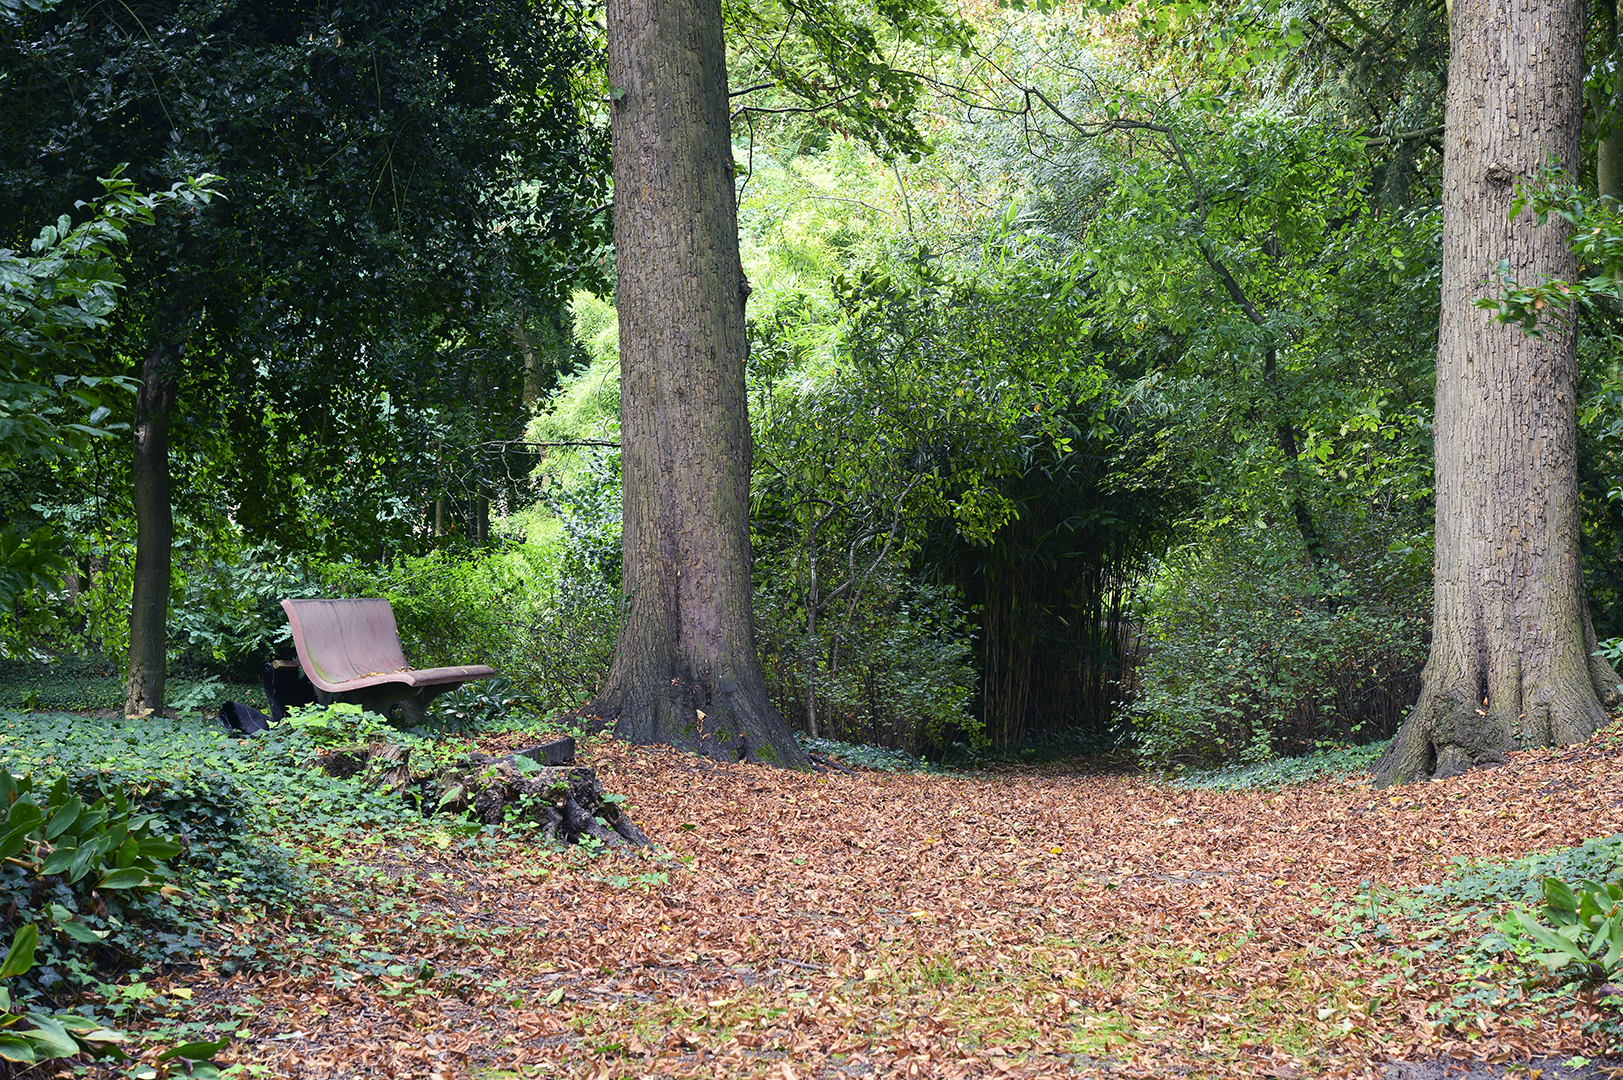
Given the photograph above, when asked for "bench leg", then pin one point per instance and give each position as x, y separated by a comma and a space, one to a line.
414, 709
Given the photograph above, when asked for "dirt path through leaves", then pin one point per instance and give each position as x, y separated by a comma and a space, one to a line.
1023, 924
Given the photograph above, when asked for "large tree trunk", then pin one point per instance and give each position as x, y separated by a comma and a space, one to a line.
685, 668
1510, 662
154, 536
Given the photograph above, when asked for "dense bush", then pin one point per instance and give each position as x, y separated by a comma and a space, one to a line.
451, 607
231, 621
85, 865
1255, 653
894, 669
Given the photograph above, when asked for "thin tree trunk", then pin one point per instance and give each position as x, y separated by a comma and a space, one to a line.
1510, 662
686, 671
1609, 150
532, 365
812, 599
1295, 498
154, 536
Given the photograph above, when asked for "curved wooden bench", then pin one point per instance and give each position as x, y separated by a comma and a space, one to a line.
350, 649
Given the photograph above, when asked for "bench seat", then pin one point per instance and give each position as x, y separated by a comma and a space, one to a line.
350, 650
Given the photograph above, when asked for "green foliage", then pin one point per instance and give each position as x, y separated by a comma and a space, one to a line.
1254, 653
34, 1038
1586, 928
1596, 231
450, 607
410, 201
88, 867
867, 756
231, 619
893, 668
486, 704
55, 302
1490, 882
338, 724
915, 419
1330, 763
91, 684
851, 61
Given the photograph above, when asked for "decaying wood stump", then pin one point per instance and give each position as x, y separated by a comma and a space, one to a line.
565, 800
540, 785
384, 763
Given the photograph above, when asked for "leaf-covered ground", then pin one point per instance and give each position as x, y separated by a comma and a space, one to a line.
1023, 923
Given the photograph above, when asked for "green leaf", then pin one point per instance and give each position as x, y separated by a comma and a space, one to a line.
81, 933
16, 1048
20, 957
131, 878
196, 1051
23, 815
50, 1038
1558, 896
58, 861
1565, 950
63, 817
155, 848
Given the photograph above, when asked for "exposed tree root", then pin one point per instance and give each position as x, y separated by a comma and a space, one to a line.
723, 724
825, 764
1470, 722
565, 800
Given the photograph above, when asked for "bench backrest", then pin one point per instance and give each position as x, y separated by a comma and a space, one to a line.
340, 641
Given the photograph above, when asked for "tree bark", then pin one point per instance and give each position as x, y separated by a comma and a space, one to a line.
685, 671
1511, 661
154, 536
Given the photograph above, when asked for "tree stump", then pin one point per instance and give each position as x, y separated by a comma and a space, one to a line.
565, 800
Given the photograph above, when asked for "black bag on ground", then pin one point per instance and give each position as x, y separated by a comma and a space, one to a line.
286, 686
235, 716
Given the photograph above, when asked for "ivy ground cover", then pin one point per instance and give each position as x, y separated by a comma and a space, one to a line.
1042, 922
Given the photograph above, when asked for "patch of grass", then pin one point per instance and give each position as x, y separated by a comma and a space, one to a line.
1332, 763
94, 684
873, 758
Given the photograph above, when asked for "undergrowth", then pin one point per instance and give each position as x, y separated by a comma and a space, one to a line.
1329, 763
873, 758
76, 684
1445, 937
256, 827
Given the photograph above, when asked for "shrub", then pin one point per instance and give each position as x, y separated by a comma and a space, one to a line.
896, 669
231, 619
1254, 653
567, 642
451, 607
88, 871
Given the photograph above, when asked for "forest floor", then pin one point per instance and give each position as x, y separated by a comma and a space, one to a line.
1020, 922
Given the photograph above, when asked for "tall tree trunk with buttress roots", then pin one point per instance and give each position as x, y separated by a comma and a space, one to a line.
154, 535
685, 669
1511, 661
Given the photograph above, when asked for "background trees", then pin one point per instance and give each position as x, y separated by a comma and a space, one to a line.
1091, 355
408, 199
